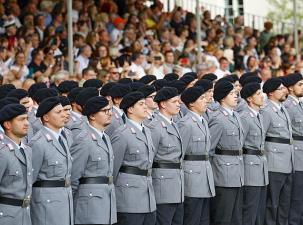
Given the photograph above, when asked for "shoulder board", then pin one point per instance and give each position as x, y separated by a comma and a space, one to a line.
194, 119
294, 102
36, 136
48, 137
116, 115
132, 130
163, 124
252, 115
1, 136
10, 146
93, 136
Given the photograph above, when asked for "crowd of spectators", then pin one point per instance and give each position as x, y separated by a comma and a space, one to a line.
129, 39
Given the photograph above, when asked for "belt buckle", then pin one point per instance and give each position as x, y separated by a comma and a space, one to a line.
26, 202
67, 183
206, 157
291, 141
241, 152
149, 172
110, 180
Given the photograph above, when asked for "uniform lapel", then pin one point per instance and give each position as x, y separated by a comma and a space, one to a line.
51, 138
198, 122
96, 137
134, 130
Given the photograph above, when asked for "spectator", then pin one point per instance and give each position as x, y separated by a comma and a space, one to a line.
222, 71
19, 69
85, 53
136, 66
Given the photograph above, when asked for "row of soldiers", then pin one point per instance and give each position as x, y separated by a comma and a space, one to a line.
192, 153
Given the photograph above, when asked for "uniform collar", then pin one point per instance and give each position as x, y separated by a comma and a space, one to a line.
276, 104
230, 111
139, 126
253, 111
118, 110
164, 117
295, 99
200, 118
55, 134
100, 133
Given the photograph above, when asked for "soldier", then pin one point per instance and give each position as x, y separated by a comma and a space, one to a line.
168, 176
92, 171
66, 86
134, 153
227, 162
116, 93
198, 176
15, 167
76, 110
279, 150
255, 162
149, 93
52, 195
65, 131
23, 97
294, 106
96, 83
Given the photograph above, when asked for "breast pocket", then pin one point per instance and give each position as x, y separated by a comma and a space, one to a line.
55, 167
97, 161
254, 134
168, 146
88, 200
298, 122
135, 153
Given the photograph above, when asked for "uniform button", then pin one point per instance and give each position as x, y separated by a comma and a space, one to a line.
199, 139
228, 164
279, 124
251, 163
56, 162
1, 213
162, 177
127, 185
296, 148
29, 196
48, 200
90, 194
138, 151
275, 149
190, 171
99, 158
17, 172
72, 158
168, 145
233, 133
29, 174
255, 133
150, 160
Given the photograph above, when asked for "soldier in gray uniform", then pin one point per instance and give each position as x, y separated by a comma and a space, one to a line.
116, 93
294, 106
15, 167
149, 93
134, 154
255, 162
279, 150
92, 171
168, 175
52, 201
198, 175
227, 162
67, 108
76, 109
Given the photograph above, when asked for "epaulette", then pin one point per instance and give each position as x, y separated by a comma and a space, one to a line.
10, 146
36, 136
215, 113
132, 130
48, 137
153, 123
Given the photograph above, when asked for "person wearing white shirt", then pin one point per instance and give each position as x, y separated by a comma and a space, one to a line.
136, 66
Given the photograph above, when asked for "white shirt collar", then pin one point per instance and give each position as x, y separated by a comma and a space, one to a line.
136, 124
276, 104
253, 111
295, 99
55, 134
197, 115
118, 110
21, 145
164, 117
230, 111
99, 132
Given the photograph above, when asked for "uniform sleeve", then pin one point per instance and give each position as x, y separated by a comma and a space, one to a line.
245, 126
185, 132
266, 120
38, 156
80, 153
156, 137
215, 129
119, 144
3, 164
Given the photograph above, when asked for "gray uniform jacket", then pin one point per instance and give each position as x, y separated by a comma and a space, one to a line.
135, 193
295, 111
15, 182
198, 175
79, 125
278, 124
116, 122
168, 149
50, 162
227, 134
255, 167
93, 203
241, 106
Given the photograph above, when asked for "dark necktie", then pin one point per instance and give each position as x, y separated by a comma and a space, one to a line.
63, 134
301, 104
22, 152
62, 144
104, 139
123, 118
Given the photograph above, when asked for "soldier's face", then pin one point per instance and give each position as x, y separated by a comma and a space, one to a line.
257, 98
149, 101
55, 117
200, 105
231, 99
19, 125
104, 116
67, 111
26, 102
139, 110
297, 89
280, 93
172, 106
209, 95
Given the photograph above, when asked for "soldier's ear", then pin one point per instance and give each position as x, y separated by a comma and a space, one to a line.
6, 125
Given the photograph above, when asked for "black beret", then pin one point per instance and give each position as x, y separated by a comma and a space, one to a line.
44, 93
193, 74
67, 85
106, 87
64, 101
47, 105
187, 79
5, 89
11, 111
130, 99
249, 89
178, 84
134, 86
125, 81
192, 94
245, 75
93, 83
35, 87
165, 94
94, 104
292, 79
8, 100
210, 76
147, 79
18, 93
171, 77
231, 78
251, 79
147, 90
159, 84
86, 94
206, 84
73, 94
222, 89
272, 84
119, 90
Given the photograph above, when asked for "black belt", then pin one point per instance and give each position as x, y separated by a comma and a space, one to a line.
52, 183
167, 165
135, 171
278, 140
96, 180
298, 138
196, 157
15, 202
229, 152
247, 151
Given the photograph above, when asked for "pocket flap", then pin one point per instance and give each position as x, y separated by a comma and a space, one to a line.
232, 133
96, 157
135, 150
298, 120
198, 139
253, 133
192, 169
53, 162
88, 192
